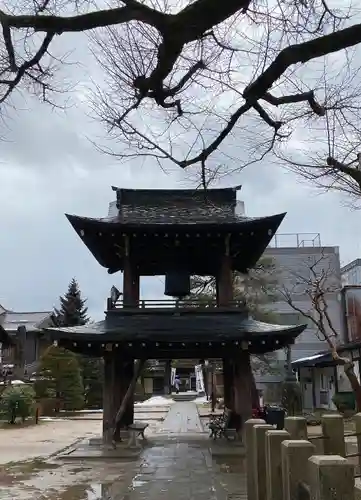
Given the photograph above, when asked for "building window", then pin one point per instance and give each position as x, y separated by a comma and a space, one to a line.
323, 398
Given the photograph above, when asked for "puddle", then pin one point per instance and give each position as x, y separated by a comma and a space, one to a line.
137, 483
229, 465
96, 492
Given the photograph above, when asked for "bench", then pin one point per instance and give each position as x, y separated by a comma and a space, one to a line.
132, 432
218, 426
138, 428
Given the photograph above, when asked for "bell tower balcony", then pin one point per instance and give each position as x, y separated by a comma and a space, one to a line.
173, 306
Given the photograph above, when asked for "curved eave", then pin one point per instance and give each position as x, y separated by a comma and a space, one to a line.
101, 236
5, 338
261, 337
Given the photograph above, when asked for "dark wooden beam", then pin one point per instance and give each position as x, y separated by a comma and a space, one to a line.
228, 382
153, 350
130, 277
224, 278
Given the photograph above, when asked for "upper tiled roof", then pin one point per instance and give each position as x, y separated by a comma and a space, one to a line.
33, 321
180, 206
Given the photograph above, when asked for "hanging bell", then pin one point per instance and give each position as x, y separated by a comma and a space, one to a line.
177, 284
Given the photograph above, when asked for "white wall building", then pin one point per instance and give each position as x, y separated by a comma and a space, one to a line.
351, 273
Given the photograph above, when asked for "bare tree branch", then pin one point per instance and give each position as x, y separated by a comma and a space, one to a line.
317, 281
205, 72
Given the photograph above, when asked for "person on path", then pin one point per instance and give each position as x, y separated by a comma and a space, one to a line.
176, 384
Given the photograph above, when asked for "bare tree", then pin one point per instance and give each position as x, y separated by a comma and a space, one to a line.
188, 81
316, 281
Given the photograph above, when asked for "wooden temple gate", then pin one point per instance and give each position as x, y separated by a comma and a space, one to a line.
176, 233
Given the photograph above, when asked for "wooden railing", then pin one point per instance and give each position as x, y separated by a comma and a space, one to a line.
172, 304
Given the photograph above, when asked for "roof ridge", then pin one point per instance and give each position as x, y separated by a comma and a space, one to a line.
28, 312
175, 190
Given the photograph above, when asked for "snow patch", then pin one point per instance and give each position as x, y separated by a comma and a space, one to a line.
200, 400
156, 401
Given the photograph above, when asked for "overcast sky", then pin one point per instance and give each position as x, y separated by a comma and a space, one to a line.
49, 167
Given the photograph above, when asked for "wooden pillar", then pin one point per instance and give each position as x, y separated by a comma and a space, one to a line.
228, 382
125, 374
118, 373
130, 278
108, 393
245, 393
224, 278
167, 376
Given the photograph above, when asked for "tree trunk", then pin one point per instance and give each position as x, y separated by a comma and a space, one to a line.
130, 391
348, 368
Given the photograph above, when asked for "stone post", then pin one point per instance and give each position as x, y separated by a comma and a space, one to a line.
259, 460
357, 420
296, 427
250, 447
295, 455
333, 432
274, 463
331, 478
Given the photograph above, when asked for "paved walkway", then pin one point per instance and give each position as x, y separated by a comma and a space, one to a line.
178, 470
182, 418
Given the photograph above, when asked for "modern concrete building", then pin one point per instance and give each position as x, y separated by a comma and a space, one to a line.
351, 273
294, 256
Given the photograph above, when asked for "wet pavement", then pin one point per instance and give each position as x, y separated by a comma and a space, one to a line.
175, 465
182, 418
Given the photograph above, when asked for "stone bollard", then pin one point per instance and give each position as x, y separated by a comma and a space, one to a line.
331, 477
333, 433
250, 447
274, 440
296, 427
357, 420
259, 460
295, 455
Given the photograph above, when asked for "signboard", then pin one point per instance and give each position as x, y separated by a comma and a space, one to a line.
199, 379
172, 376
353, 313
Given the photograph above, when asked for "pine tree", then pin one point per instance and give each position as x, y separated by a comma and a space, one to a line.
59, 375
73, 311
93, 378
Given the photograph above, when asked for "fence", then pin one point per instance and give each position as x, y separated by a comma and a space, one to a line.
291, 465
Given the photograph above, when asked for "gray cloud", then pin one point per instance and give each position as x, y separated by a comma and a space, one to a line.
49, 167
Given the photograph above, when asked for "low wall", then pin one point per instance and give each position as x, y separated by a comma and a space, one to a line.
285, 464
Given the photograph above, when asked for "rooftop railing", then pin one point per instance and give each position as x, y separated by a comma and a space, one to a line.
295, 240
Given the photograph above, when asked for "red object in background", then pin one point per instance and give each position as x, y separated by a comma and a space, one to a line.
256, 413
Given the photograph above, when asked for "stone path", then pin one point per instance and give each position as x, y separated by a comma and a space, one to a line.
182, 418
178, 470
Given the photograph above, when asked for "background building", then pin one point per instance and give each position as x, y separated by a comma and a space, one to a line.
293, 255
29, 326
351, 273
